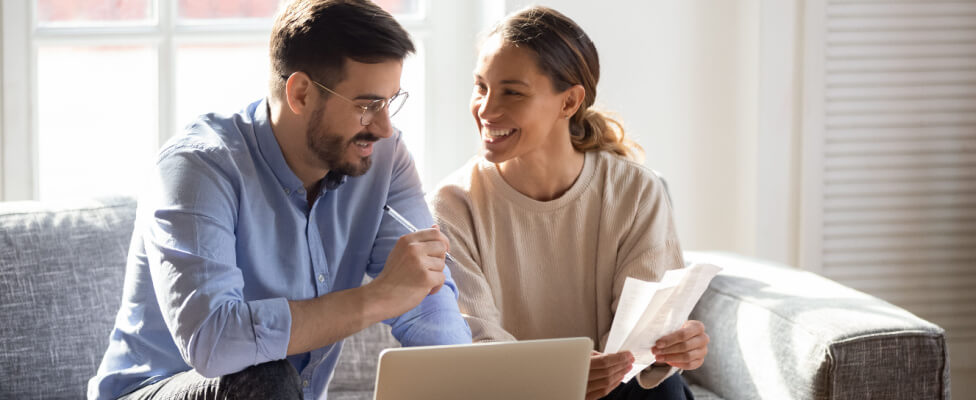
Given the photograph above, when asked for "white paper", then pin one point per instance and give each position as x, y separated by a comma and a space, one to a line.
646, 311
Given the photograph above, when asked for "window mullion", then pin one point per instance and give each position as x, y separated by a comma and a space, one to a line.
18, 153
166, 71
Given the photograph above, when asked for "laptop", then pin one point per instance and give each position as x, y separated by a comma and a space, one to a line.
529, 369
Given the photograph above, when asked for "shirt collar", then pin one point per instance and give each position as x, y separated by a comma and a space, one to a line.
271, 152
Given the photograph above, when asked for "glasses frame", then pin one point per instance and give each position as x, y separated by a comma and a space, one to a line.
374, 106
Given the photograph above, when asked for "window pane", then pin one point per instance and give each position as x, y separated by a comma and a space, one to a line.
87, 12
399, 7
217, 9
96, 120
219, 78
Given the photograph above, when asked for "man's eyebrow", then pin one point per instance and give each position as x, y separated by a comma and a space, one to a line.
373, 96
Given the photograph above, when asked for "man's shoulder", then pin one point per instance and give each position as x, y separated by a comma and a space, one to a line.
213, 134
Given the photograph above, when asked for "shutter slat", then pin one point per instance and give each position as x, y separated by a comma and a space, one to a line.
888, 106
894, 215
901, 23
900, 10
899, 269
940, 251
887, 189
955, 90
837, 236
901, 37
904, 202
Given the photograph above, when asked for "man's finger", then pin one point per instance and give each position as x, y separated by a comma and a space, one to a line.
425, 235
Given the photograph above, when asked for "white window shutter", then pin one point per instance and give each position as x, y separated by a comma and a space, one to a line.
889, 170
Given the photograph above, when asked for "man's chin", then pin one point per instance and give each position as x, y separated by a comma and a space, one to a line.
356, 168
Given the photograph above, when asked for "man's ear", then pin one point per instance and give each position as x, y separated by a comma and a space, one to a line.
573, 100
297, 90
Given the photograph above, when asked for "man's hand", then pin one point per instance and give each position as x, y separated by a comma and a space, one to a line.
606, 371
414, 269
684, 348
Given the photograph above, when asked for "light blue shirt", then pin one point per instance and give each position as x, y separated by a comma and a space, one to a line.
225, 237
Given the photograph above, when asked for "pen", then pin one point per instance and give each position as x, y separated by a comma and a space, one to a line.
406, 224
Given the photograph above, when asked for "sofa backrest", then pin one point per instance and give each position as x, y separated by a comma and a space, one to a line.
61, 272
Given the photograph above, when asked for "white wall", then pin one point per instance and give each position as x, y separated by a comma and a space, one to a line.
683, 76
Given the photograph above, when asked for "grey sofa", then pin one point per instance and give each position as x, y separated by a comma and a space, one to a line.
777, 333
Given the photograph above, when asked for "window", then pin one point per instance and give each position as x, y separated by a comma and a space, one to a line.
92, 88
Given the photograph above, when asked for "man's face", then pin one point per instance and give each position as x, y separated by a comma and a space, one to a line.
336, 139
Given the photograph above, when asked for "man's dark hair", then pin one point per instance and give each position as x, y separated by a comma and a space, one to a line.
317, 36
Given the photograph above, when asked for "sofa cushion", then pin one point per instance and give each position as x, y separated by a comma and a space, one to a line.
778, 332
61, 274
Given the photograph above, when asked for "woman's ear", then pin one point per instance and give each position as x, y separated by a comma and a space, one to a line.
297, 89
574, 98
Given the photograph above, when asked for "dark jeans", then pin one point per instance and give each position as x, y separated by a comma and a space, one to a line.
275, 380
673, 388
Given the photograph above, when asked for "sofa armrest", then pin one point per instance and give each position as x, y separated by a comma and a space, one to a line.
781, 333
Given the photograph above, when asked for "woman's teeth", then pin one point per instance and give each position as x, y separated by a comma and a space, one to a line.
362, 143
494, 133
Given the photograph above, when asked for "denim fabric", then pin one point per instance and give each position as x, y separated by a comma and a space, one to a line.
275, 380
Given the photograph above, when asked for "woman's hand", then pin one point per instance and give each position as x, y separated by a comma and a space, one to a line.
606, 372
684, 348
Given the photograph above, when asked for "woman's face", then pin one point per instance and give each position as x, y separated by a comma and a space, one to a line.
517, 111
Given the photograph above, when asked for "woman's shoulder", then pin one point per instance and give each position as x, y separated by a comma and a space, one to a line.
622, 174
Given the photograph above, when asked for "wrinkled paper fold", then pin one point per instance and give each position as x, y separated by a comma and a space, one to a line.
647, 311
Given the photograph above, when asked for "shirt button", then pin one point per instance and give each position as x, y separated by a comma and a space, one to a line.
305, 383
321, 278
287, 191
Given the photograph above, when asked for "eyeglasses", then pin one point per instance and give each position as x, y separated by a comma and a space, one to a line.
369, 110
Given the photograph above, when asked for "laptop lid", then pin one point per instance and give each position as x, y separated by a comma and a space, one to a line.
529, 369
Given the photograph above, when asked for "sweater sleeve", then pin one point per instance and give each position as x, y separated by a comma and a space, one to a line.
453, 215
647, 251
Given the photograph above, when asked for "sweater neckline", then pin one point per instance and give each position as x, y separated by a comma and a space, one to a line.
501, 187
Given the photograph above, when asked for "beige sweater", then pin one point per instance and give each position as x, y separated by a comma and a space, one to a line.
534, 270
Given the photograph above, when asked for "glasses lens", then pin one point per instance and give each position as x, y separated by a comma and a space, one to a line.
394, 104
397, 102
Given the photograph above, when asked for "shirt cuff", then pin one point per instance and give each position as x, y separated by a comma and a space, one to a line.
654, 374
271, 321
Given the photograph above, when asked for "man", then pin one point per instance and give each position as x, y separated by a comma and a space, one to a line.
253, 244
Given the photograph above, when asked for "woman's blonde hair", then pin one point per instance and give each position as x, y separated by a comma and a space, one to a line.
568, 57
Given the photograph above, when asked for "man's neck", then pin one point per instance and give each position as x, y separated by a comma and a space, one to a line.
290, 133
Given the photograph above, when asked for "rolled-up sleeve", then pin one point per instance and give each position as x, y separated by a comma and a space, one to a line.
190, 244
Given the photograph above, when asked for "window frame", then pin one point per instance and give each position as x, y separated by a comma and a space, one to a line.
19, 149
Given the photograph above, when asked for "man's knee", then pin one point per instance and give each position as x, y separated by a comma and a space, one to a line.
276, 380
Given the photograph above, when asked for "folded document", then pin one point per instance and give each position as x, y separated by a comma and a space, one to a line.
647, 311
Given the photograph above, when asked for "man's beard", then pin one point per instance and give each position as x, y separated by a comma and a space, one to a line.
331, 149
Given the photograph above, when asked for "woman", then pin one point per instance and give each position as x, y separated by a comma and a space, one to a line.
551, 220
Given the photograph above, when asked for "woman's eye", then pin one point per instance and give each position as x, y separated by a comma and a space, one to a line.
512, 93
480, 87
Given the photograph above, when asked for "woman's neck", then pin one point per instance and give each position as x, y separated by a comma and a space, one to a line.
543, 176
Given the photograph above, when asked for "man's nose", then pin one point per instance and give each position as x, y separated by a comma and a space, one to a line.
381, 125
